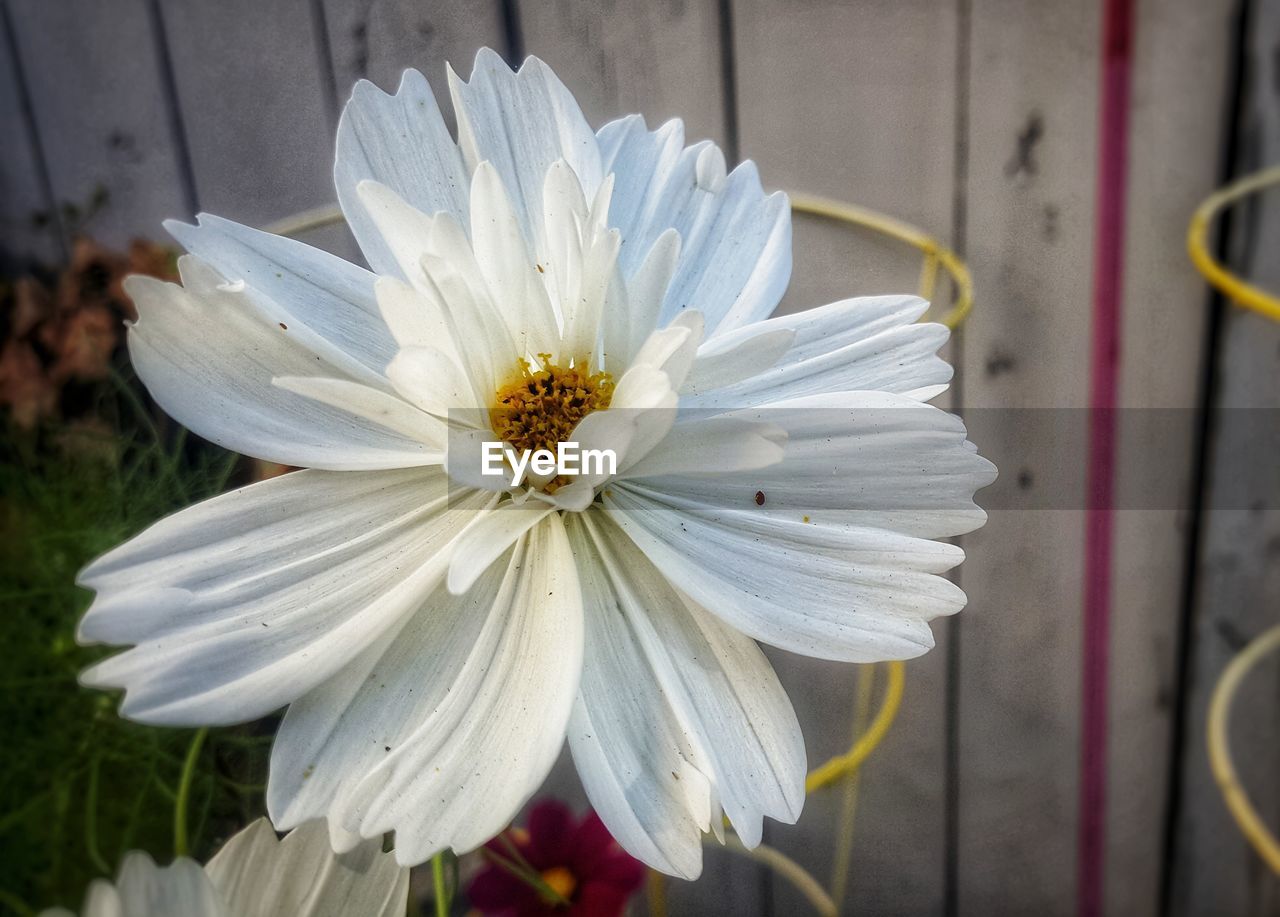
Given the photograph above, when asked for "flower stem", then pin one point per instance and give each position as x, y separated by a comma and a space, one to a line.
16, 904
180, 841
442, 891
91, 820
790, 870
525, 873
656, 888
849, 799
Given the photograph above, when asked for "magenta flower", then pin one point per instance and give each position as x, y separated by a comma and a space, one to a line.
581, 868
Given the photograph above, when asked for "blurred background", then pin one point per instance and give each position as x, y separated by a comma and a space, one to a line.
977, 121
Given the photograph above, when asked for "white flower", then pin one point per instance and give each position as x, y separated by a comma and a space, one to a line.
257, 875
437, 633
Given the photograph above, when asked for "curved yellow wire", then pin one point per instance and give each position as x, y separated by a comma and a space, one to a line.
866, 743
1224, 771
935, 253
1241, 291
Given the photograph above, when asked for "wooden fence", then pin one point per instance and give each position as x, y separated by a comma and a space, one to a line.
977, 121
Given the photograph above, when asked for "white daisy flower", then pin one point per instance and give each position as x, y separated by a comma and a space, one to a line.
436, 632
256, 874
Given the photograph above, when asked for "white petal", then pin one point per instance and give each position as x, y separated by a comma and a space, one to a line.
735, 257
437, 258
506, 259
488, 538
825, 589
736, 356
415, 319
867, 458
866, 478
646, 391
712, 446
487, 745
867, 344
373, 405
465, 460
645, 399
338, 732
430, 379
487, 344
100, 900
626, 329
522, 123
321, 292
579, 259
678, 716
673, 349
208, 356
613, 430
573, 497
243, 603
259, 875
181, 888
406, 231
402, 142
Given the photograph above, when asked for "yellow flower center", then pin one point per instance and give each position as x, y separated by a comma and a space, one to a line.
540, 407
561, 881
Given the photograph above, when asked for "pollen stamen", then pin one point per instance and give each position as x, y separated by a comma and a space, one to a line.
541, 406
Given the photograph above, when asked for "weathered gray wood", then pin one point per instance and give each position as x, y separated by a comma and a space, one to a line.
857, 102
379, 39
253, 85
100, 107
854, 102
1175, 143
1215, 871
29, 229
659, 59
1032, 147
253, 102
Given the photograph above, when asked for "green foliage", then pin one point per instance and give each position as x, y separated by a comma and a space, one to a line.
78, 785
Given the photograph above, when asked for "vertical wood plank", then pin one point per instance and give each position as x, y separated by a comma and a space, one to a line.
29, 229
379, 39
253, 83
1032, 142
99, 102
1175, 145
253, 104
659, 59
857, 102
1214, 869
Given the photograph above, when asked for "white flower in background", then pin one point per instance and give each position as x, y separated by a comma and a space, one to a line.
435, 632
257, 875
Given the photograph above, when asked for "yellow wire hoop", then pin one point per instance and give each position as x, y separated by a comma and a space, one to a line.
842, 765
936, 255
1224, 771
1241, 291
